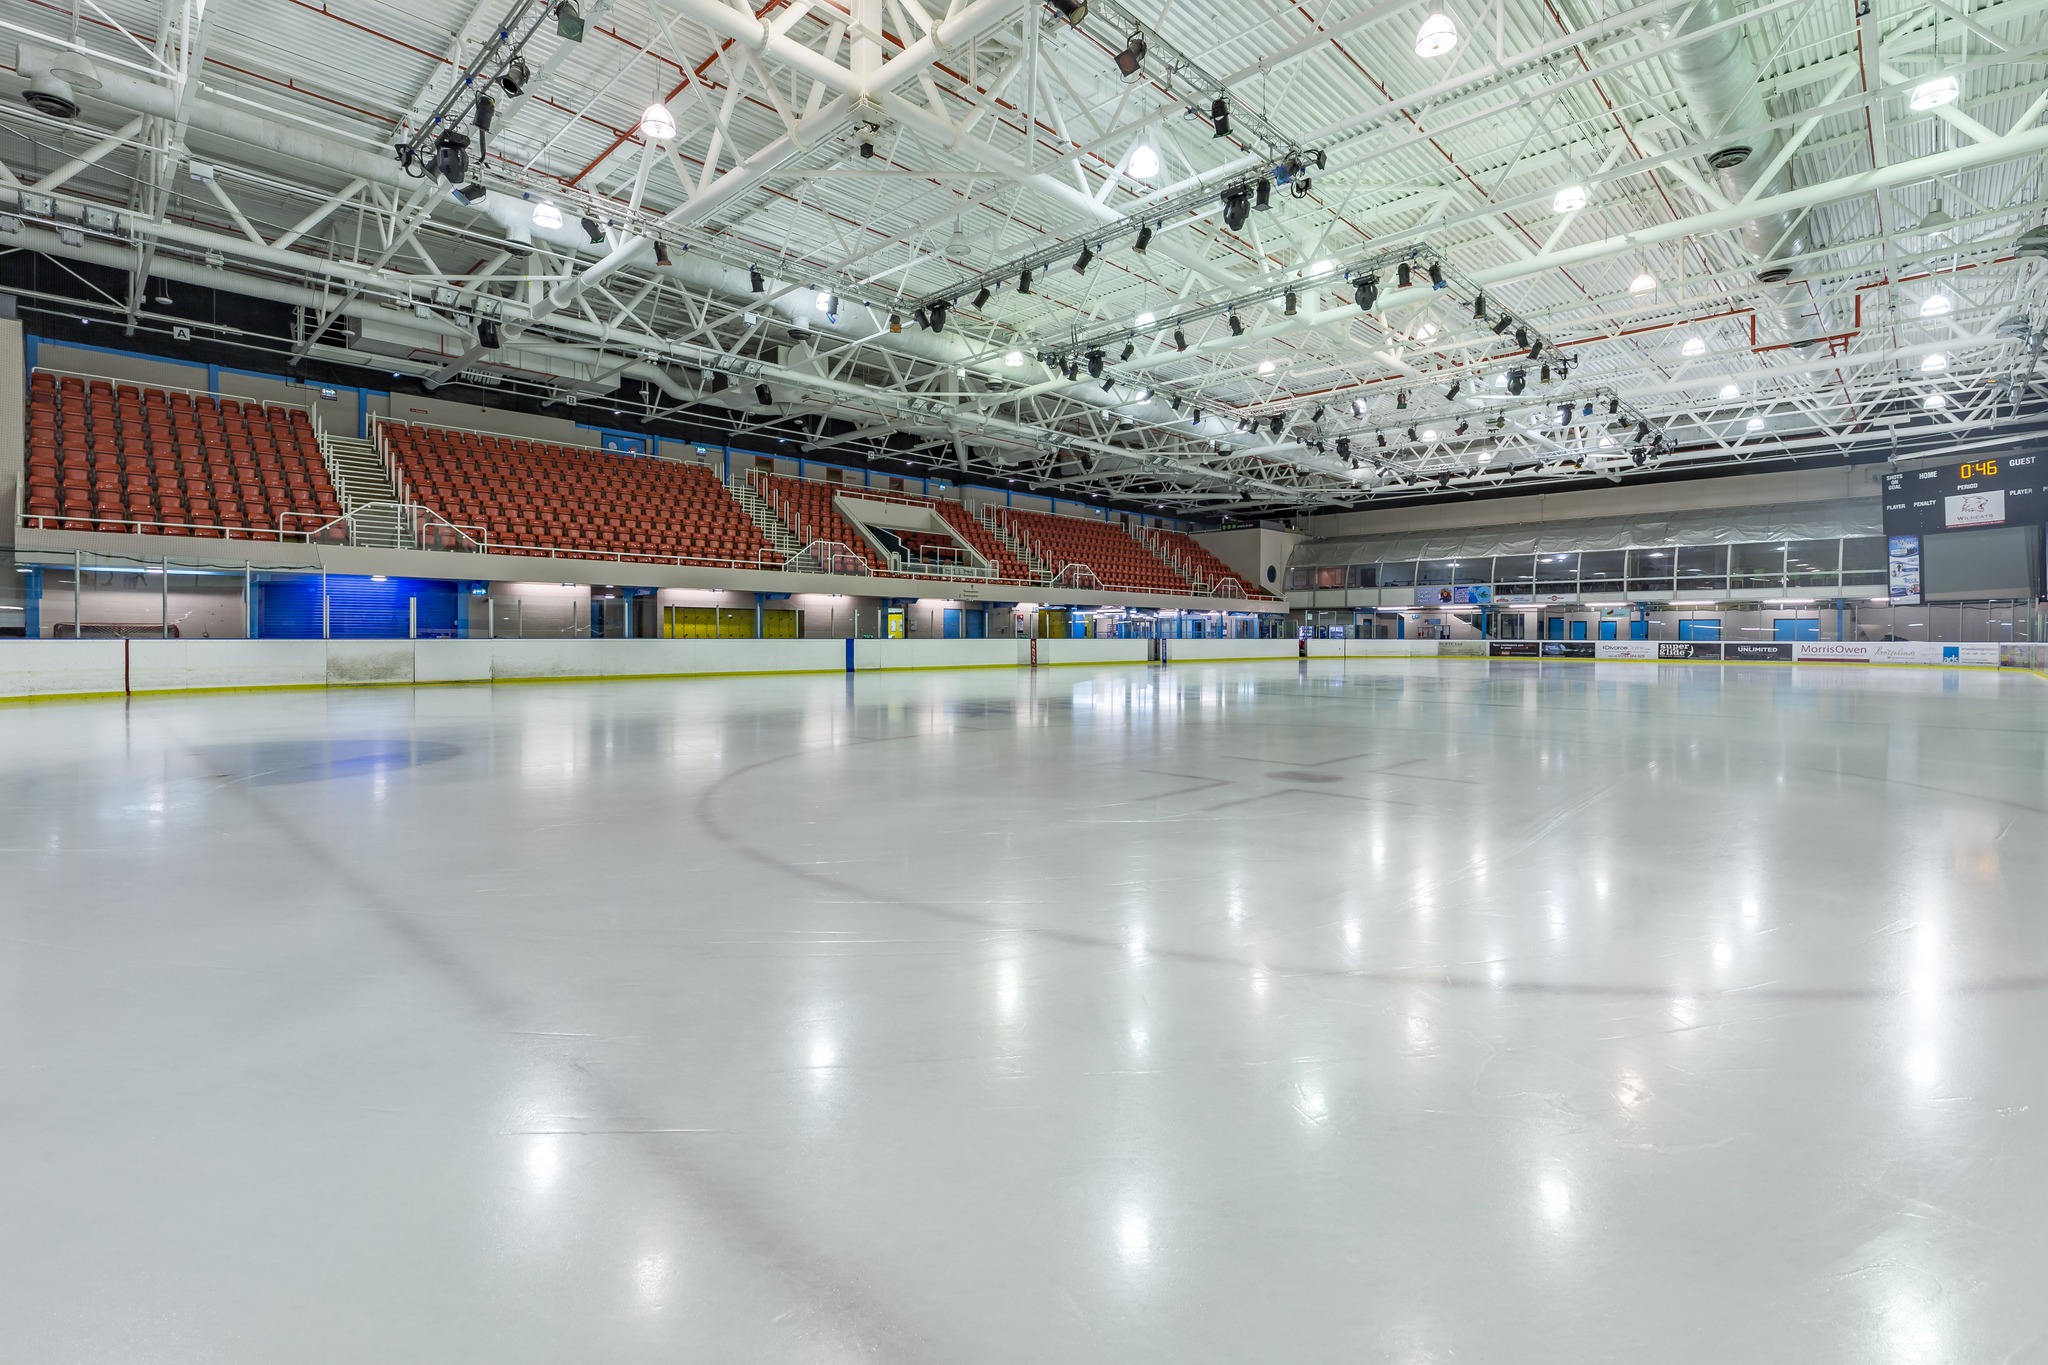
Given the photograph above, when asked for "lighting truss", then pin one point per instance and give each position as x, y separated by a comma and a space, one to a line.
505, 44
1421, 259
1188, 204
1113, 26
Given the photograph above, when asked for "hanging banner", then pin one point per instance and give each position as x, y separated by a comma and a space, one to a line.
1903, 552
1462, 595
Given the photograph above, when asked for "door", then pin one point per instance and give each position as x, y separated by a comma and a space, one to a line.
1553, 629
1607, 629
1639, 629
1578, 630
977, 622
1796, 628
950, 627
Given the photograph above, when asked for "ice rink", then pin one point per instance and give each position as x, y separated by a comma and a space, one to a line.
1405, 1011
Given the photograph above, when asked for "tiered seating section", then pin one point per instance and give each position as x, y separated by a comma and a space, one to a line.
806, 505
525, 497
1117, 560
134, 459
1207, 569
1009, 568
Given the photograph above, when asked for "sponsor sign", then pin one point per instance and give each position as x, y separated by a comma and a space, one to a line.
1462, 595
1567, 649
1832, 651
1515, 649
1688, 649
1528, 599
1985, 508
1757, 649
1625, 649
1903, 554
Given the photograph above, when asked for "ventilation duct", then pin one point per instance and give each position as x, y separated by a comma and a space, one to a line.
1718, 79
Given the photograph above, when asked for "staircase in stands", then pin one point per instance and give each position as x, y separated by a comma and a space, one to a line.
1010, 542
772, 526
367, 494
1165, 555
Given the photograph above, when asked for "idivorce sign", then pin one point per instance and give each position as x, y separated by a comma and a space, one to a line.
1958, 495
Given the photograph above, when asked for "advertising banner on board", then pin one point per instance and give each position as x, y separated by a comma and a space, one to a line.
1625, 649
1986, 508
1903, 553
1567, 649
1515, 649
1757, 649
1462, 595
1688, 649
1523, 599
1832, 651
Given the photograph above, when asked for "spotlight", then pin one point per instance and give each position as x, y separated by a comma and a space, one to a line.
1219, 117
1479, 307
487, 335
1343, 447
1502, 325
1236, 326
1518, 380
1367, 292
1544, 377
1383, 440
720, 382
1289, 310
1586, 411
1144, 238
1024, 281
1262, 195
1082, 261
1451, 394
1461, 428
1108, 384
1536, 348
516, 74
981, 297
1411, 435
1564, 414
1073, 11
1522, 337
1173, 401
1130, 349
1642, 431
1095, 364
1401, 401
867, 151
451, 157
1180, 340
1358, 407
938, 316
1403, 276
1073, 368
592, 229
1436, 275
1613, 406
1131, 61
764, 396
661, 253
1277, 423
486, 110
569, 22
895, 323
1237, 210
754, 280
472, 193
922, 319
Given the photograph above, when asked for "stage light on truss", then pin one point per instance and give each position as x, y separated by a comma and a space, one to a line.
1479, 307
1502, 324
1276, 424
938, 312
1262, 194
754, 281
515, 76
1404, 275
1095, 364
1024, 280
1219, 117
1180, 340
1366, 292
1144, 238
661, 253
764, 396
1358, 407
1084, 260
569, 22
592, 229
1290, 303
1451, 394
1517, 381
981, 296
1436, 275
1130, 349
1130, 63
1236, 326
1237, 209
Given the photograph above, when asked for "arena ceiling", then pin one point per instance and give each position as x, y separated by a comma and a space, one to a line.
1732, 234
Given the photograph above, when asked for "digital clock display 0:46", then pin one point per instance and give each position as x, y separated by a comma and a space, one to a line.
1980, 469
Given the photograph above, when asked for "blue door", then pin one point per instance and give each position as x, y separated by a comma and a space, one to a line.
977, 623
1578, 630
1554, 629
1607, 629
952, 623
1638, 629
1796, 628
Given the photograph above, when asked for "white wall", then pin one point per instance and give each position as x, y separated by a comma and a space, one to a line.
1252, 551
440, 412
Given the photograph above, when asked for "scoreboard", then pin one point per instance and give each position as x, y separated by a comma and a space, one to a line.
1961, 495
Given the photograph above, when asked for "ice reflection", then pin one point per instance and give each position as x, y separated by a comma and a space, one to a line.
1134, 1236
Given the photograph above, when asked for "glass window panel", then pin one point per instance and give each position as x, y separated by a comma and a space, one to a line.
1398, 574
1864, 552
1469, 570
1514, 569
1650, 563
1430, 573
1557, 572
1363, 576
1709, 560
1813, 563
1601, 570
1298, 580
1758, 565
